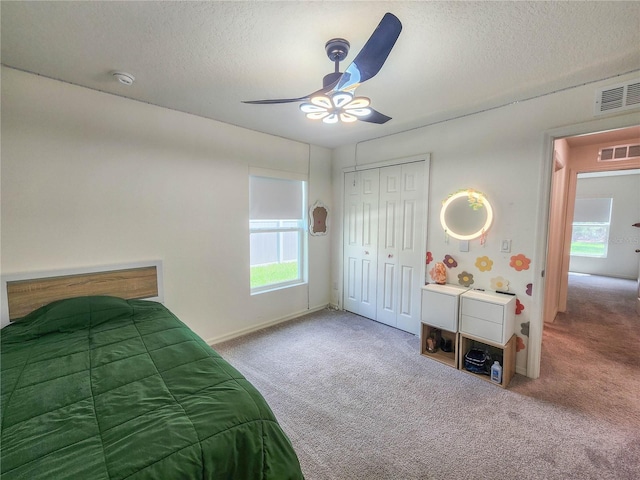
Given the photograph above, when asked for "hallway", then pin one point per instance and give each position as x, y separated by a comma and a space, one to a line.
590, 358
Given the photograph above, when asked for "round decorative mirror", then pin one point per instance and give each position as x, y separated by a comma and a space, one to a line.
466, 215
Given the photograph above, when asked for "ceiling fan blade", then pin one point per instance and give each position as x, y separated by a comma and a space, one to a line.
370, 59
275, 100
375, 117
323, 90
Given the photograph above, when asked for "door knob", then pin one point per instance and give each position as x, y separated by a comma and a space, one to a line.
366, 252
390, 255
637, 250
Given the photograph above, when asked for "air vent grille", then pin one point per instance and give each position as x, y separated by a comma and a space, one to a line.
634, 151
618, 152
625, 96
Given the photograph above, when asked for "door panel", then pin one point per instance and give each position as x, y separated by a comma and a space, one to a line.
368, 221
367, 281
350, 280
384, 248
406, 291
390, 202
388, 218
360, 250
409, 225
411, 255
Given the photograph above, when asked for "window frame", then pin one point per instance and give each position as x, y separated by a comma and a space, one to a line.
605, 225
298, 226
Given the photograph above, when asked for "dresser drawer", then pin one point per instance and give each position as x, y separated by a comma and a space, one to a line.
440, 310
488, 315
481, 328
483, 310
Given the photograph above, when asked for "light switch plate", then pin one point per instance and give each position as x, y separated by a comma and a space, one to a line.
505, 246
464, 245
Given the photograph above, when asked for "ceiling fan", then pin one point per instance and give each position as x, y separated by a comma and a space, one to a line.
335, 101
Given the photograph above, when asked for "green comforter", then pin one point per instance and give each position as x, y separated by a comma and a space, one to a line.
104, 388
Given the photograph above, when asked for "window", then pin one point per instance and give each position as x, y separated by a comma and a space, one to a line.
591, 219
277, 226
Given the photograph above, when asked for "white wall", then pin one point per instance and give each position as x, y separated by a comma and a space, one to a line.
500, 152
621, 260
90, 178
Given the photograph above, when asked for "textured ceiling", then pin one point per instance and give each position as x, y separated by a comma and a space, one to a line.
452, 58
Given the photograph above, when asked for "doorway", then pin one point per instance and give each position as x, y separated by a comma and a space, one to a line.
574, 157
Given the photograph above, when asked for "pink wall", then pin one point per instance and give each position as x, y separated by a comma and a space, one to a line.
557, 214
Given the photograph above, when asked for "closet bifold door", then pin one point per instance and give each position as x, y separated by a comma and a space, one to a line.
400, 249
360, 241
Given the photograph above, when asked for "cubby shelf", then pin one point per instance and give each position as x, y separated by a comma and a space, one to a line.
470, 319
506, 352
448, 358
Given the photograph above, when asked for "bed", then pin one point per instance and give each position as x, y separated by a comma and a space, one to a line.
99, 386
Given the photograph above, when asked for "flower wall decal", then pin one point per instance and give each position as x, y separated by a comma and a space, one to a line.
519, 307
524, 328
529, 290
520, 262
499, 283
450, 262
465, 279
429, 258
519, 344
484, 264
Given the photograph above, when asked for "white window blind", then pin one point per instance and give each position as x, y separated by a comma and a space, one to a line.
591, 222
275, 198
592, 210
277, 231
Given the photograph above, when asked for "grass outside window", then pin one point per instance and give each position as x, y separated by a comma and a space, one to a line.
271, 274
588, 249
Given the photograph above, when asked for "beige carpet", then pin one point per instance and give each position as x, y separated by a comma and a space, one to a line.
591, 353
359, 402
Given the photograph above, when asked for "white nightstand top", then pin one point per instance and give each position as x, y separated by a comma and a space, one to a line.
489, 296
446, 289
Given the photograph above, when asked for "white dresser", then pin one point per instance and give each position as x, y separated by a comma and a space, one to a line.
488, 316
440, 305
469, 319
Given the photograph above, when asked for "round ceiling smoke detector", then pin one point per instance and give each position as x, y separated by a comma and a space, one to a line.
124, 78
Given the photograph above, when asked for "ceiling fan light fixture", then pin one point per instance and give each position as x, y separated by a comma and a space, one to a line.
358, 102
337, 107
340, 99
321, 101
310, 108
317, 115
359, 112
337, 95
347, 117
331, 118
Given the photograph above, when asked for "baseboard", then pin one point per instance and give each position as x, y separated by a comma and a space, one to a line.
521, 370
270, 323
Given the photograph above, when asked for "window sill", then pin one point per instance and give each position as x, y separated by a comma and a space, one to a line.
273, 288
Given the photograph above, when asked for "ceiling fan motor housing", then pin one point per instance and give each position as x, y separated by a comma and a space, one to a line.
337, 49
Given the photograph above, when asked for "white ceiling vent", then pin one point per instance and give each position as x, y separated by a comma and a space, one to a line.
616, 98
619, 152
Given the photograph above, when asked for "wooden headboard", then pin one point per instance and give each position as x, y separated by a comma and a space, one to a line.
24, 293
